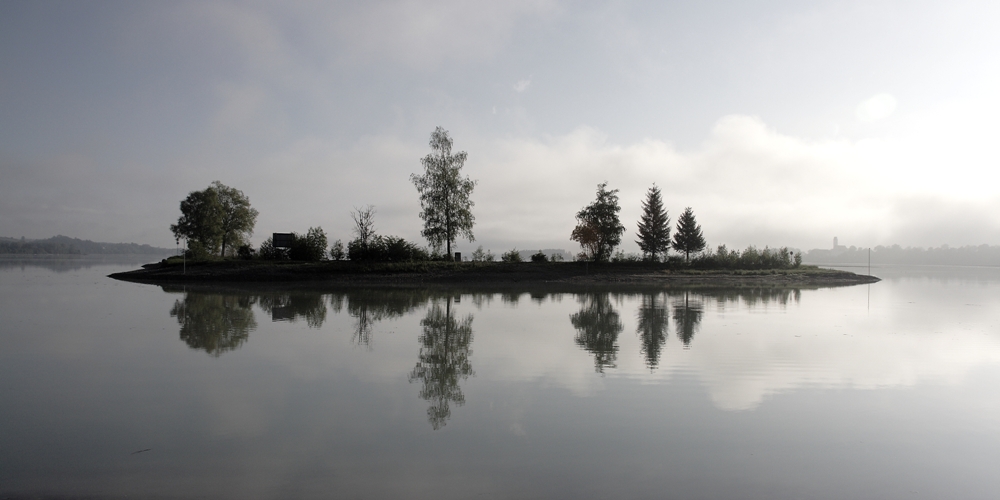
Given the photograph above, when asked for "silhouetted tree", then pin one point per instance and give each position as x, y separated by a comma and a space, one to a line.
652, 327
654, 226
214, 323
687, 317
688, 238
443, 361
219, 216
598, 326
445, 205
309, 247
598, 228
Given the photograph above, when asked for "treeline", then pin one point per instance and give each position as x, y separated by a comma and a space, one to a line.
64, 245
981, 255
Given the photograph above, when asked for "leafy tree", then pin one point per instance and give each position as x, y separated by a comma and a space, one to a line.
512, 256
688, 238
337, 251
216, 218
598, 229
445, 205
539, 257
654, 226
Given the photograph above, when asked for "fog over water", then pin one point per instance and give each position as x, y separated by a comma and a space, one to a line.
779, 123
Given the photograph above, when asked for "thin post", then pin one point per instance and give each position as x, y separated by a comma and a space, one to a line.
869, 261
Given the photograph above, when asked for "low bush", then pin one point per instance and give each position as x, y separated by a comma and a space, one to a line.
385, 249
539, 257
751, 258
511, 256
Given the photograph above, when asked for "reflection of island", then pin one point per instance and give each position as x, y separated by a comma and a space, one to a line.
443, 361
213, 322
687, 317
652, 326
598, 326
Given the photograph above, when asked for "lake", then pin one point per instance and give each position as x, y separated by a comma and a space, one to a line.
115, 390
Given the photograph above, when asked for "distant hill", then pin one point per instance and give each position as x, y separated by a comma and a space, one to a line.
64, 245
982, 255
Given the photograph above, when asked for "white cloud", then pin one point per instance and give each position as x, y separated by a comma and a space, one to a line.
522, 85
876, 108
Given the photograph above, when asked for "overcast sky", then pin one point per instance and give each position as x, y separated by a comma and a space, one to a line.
780, 123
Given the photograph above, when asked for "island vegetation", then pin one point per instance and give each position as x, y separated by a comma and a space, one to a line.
216, 224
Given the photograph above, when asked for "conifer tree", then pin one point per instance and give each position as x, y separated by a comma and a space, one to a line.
688, 238
654, 226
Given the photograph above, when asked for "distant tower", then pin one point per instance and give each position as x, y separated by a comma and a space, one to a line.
834, 242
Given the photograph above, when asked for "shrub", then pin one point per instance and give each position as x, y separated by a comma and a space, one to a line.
385, 249
311, 247
511, 256
245, 252
269, 252
480, 256
751, 258
539, 257
337, 251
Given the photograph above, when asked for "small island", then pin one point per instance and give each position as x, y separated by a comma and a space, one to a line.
486, 274
216, 223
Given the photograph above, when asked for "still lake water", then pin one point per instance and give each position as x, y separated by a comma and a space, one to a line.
113, 389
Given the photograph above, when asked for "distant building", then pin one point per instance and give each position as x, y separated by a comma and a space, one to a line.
837, 245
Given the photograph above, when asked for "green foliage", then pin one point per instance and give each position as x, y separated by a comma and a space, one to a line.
654, 227
688, 238
337, 251
539, 257
511, 256
598, 228
445, 204
385, 249
311, 247
751, 258
217, 218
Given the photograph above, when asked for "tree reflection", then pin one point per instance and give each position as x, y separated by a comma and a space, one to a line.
687, 317
215, 323
443, 361
368, 307
652, 327
598, 326
294, 306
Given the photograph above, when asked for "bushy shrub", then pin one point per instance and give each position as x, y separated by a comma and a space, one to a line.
480, 256
751, 258
245, 252
268, 251
511, 256
385, 249
337, 251
621, 256
539, 257
310, 247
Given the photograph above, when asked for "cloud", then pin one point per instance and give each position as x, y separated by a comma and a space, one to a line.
876, 108
522, 85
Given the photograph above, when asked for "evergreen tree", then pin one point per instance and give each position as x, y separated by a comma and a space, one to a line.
654, 226
688, 238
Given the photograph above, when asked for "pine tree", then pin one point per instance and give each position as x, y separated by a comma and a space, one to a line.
654, 226
688, 238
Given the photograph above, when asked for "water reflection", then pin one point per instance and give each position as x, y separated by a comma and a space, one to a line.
687, 317
598, 325
213, 322
443, 361
653, 321
369, 306
295, 306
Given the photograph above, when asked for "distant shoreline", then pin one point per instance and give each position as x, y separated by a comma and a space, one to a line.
346, 273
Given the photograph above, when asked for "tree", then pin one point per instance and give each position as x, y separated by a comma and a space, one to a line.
654, 226
310, 247
216, 218
364, 223
445, 205
688, 238
598, 229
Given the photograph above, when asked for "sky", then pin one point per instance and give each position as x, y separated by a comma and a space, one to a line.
781, 123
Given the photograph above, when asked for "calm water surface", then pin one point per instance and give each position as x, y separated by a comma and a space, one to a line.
114, 389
